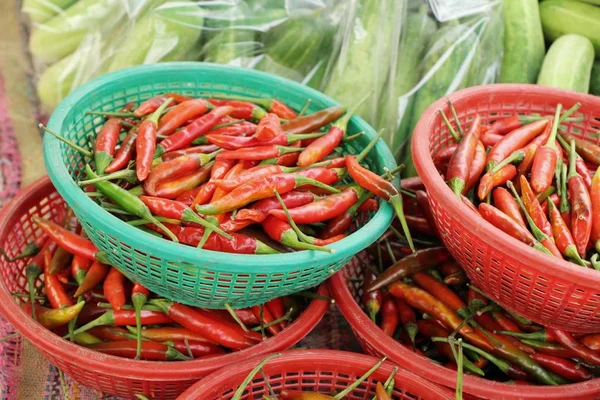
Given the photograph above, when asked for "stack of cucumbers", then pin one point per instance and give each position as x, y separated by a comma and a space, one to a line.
553, 43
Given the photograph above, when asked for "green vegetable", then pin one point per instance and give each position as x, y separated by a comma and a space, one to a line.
61, 35
596, 2
231, 44
446, 65
560, 17
486, 63
365, 55
40, 11
397, 102
595, 79
524, 47
166, 33
568, 64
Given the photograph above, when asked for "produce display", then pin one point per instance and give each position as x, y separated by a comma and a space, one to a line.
426, 301
96, 306
558, 206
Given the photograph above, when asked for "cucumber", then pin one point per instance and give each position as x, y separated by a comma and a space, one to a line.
524, 47
167, 33
40, 11
568, 64
595, 79
445, 67
595, 2
396, 105
560, 17
61, 35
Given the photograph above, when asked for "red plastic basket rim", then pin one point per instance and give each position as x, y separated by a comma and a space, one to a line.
365, 327
132, 369
438, 188
318, 356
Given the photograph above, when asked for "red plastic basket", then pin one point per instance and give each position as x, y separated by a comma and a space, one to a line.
317, 370
119, 376
535, 285
347, 294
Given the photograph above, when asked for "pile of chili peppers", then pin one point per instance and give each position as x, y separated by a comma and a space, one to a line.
534, 181
383, 391
204, 172
425, 300
96, 306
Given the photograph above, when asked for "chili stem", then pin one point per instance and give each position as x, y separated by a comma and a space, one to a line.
240, 390
235, 317
274, 322
360, 380
455, 115
370, 146
305, 108
75, 146
450, 127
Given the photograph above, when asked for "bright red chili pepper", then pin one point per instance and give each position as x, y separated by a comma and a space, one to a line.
175, 168
54, 318
188, 196
266, 319
431, 329
150, 105
151, 351
595, 199
114, 289
145, 143
581, 207
477, 166
106, 141
268, 128
506, 224
258, 211
272, 105
55, 291
218, 171
569, 342
223, 332
241, 109
382, 188
203, 149
490, 139
321, 210
492, 180
408, 319
460, 164
260, 171
110, 333
368, 205
443, 156
587, 150
372, 299
174, 188
79, 267
505, 125
515, 140
124, 153
568, 369
239, 244
505, 323
506, 203
545, 159
94, 276
313, 122
163, 334
282, 232
277, 309
389, 316
241, 142
70, 241
562, 235
552, 349
533, 207
257, 153
199, 127
125, 317
340, 224
242, 129
197, 349
256, 190
180, 114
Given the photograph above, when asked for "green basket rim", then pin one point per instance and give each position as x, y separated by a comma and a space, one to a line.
235, 263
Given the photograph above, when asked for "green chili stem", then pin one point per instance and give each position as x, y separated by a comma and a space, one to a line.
73, 145
360, 380
450, 127
235, 317
240, 390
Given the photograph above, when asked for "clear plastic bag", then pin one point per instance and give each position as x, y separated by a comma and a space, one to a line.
395, 56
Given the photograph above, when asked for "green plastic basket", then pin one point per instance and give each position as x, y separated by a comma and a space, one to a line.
185, 274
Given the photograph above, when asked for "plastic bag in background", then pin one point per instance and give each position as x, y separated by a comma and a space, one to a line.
433, 60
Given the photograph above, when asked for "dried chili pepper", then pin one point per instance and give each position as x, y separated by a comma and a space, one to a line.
145, 143
515, 140
151, 351
54, 318
504, 201
180, 114
459, 166
257, 190
581, 206
225, 333
70, 241
313, 122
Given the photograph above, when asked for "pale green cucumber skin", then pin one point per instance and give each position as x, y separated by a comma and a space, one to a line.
595, 79
568, 64
561, 17
524, 47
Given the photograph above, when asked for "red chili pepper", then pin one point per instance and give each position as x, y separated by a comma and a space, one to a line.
199, 127
282, 232
168, 333
177, 167
491, 180
444, 155
242, 129
55, 291
430, 329
587, 150
196, 349
389, 316
505, 125
150, 105
225, 333
174, 188
124, 153
239, 244
145, 143
257, 172
568, 369
188, 196
595, 199
272, 105
569, 342
562, 235
553, 349
70, 241
372, 299
218, 171
408, 318
321, 210
506, 224
54, 318
79, 268
125, 317
515, 140
508, 205
545, 159
581, 207
114, 289
505, 323
267, 318
110, 333
490, 139
277, 309
94, 276
460, 164
106, 141
241, 109
268, 128
256, 190
477, 166
180, 114
257, 153
313, 122
368, 206
151, 351
380, 392
203, 149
